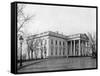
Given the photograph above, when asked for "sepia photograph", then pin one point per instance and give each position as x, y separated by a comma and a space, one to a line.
54, 37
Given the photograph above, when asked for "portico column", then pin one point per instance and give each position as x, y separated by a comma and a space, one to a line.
71, 49
66, 49
74, 47
82, 53
86, 46
79, 49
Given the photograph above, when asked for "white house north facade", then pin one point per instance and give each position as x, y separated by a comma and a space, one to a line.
52, 44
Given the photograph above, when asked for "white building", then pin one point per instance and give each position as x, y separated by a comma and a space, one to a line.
52, 44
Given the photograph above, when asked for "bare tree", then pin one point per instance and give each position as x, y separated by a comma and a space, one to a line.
22, 17
92, 40
22, 20
42, 47
33, 45
36, 45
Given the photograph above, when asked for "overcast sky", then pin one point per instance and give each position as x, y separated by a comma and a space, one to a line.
67, 20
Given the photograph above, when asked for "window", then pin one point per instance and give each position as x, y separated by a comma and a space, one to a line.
56, 42
60, 51
51, 41
63, 51
63, 44
56, 50
52, 50
60, 43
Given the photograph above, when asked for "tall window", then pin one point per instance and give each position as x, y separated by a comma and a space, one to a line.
52, 50
56, 42
56, 50
59, 50
59, 42
51, 41
63, 51
63, 43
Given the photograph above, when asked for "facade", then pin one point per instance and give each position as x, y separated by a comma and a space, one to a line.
52, 44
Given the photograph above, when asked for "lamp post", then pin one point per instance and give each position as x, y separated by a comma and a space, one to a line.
21, 41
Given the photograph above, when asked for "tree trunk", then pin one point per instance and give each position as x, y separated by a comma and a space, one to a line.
35, 55
28, 52
31, 54
41, 54
45, 51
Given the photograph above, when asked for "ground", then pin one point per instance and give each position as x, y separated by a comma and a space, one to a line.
58, 64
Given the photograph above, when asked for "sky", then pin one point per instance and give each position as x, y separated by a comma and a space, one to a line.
64, 19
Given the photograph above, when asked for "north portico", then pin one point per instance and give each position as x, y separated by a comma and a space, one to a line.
78, 45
